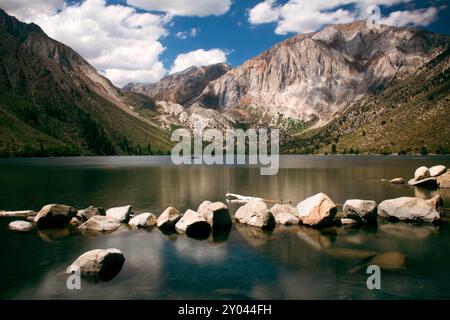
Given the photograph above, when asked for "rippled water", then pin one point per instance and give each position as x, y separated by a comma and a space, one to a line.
288, 263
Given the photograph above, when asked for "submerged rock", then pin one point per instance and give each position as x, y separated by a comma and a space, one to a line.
54, 216
168, 219
315, 238
121, 214
143, 220
344, 253
100, 224
397, 181
437, 170
389, 260
285, 214
362, 211
317, 211
216, 214
98, 263
408, 209
193, 224
255, 213
20, 226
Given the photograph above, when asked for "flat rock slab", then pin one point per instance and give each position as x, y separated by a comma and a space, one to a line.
100, 224
19, 214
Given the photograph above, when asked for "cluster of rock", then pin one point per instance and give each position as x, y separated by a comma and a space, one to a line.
428, 177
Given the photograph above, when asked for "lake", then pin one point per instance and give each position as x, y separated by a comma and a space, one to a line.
246, 263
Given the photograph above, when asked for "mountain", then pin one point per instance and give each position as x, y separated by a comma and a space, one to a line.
368, 90
52, 102
181, 87
318, 74
409, 116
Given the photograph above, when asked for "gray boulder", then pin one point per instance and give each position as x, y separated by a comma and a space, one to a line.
255, 213
408, 209
317, 211
217, 214
422, 173
285, 214
86, 214
120, 213
99, 264
193, 224
168, 219
143, 220
54, 216
100, 224
437, 170
362, 211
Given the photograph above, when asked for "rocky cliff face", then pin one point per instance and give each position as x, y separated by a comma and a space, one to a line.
320, 73
181, 87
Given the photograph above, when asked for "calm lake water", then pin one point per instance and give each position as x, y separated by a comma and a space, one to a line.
288, 263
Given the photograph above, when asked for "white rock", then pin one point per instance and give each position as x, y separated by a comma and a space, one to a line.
104, 264
362, 211
168, 218
422, 173
193, 224
100, 224
437, 170
54, 216
285, 214
120, 213
143, 220
444, 180
217, 214
255, 213
20, 226
408, 209
317, 211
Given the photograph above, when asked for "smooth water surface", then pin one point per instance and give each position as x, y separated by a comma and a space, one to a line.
246, 263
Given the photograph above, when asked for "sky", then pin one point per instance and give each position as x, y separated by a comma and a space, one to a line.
142, 41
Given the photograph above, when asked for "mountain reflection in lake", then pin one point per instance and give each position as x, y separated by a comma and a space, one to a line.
288, 263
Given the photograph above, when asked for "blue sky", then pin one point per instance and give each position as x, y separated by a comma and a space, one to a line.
145, 40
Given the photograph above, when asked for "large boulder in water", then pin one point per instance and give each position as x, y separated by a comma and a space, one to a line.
285, 214
143, 220
120, 213
54, 216
168, 219
408, 209
100, 224
317, 211
437, 204
193, 224
255, 213
216, 213
85, 214
421, 173
98, 263
362, 211
437, 170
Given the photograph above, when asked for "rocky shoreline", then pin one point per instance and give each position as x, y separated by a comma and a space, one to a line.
316, 212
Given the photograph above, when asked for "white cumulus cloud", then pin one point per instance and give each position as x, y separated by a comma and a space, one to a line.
187, 34
120, 42
299, 16
199, 8
198, 58
419, 17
